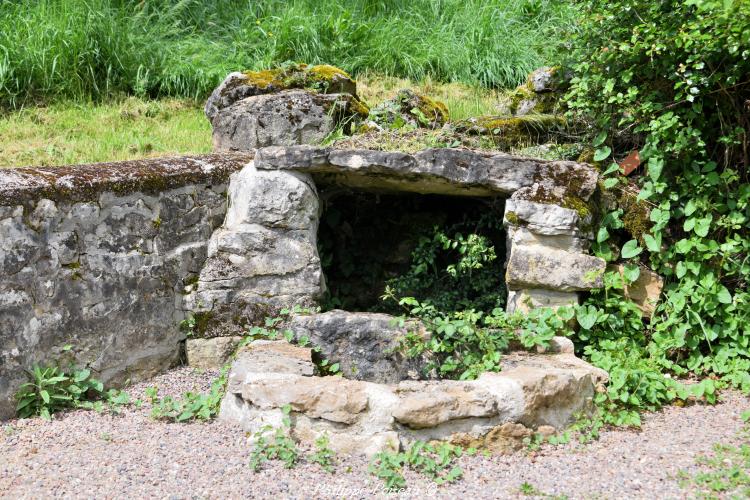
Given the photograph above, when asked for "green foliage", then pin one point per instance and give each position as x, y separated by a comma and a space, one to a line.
456, 268
69, 48
191, 405
279, 446
669, 78
725, 473
323, 455
51, 389
466, 343
435, 460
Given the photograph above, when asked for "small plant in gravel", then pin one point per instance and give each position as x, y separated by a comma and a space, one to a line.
51, 389
726, 473
191, 405
528, 489
436, 461
278, 446
323, 454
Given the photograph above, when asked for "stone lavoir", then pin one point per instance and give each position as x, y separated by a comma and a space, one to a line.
111, 258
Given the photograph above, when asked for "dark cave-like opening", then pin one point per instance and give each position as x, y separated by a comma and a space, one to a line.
447, 250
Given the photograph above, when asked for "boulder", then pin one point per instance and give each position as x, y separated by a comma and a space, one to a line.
425, 405
283, 119
334, 399
268, 356
364, 344
213, 353
240, 85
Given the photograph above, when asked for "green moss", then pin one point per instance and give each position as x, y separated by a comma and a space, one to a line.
433, 109
512, 218
322, 78
636, 215
517, 131
265, 79
202, 322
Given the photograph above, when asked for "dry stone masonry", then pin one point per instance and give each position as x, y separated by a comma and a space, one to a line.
98, 257
111, 258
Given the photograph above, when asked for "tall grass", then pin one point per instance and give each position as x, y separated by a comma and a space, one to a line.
53, 49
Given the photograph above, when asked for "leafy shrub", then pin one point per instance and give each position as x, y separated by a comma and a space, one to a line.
323, 455
466, 343
456, 268
279, 446
669, 78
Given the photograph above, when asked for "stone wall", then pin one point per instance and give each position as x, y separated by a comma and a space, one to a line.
265, 255
110, 258
98, 257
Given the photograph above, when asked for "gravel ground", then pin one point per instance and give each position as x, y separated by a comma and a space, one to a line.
83, 454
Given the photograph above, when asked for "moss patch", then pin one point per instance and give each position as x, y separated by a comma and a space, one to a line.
322, 78
518, 131
636, 215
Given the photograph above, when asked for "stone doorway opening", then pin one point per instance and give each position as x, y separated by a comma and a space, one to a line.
448, 250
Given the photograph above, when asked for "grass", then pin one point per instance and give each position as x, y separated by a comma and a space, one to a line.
92, 49
66, 133
83, 132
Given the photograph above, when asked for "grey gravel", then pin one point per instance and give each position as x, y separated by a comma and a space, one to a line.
82, 454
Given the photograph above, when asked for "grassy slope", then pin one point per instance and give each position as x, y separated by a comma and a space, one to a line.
69, 132
82, 133
71, 49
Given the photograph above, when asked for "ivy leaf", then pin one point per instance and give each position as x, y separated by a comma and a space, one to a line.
680, 269
631, 249
599, 139
724, 296
610, 182
690, 208
602, 235
703, 225
602, 153
651, 243
586, 316
631, 272
655, 167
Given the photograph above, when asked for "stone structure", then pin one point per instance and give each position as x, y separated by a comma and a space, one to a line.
495, 411
111, 258
98, 257
265, 255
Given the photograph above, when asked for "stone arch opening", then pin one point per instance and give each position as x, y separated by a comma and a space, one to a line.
370, 240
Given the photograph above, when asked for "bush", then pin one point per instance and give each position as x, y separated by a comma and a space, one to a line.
670, 78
